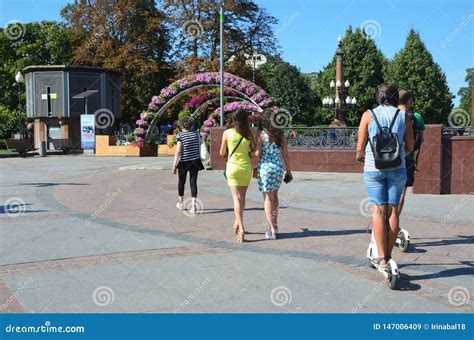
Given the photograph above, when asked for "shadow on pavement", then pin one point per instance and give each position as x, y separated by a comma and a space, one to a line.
219, 211
41, 185
447, 242
315, 233
467, 270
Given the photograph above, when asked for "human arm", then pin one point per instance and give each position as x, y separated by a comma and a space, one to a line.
409, 135
362, 136
258, 145
223, 149
176, 156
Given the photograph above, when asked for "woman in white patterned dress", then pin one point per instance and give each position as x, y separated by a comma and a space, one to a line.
272, 150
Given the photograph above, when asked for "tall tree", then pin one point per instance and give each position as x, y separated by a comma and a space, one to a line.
129, 36
363, 65
195, 23
466, 92
414, 69
292, 90
36, 43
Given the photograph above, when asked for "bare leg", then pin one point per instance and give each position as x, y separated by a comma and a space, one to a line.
276, 206
238, 196
402, 201
379, 229
393, 225
268, 202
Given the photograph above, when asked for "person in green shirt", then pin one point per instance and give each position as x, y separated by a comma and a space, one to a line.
405, 103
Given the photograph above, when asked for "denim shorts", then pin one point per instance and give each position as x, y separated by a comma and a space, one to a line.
385, 187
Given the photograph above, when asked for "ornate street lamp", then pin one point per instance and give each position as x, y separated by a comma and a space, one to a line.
342, 101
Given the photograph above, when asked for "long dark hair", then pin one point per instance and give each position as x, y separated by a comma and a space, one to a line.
275, 132
240, 122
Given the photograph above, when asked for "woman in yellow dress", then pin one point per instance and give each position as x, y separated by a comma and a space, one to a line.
237, 145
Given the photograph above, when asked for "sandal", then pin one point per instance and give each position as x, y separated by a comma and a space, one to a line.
241, 235
376, 262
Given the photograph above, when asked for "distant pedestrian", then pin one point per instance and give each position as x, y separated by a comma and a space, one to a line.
237, 145
272, 150
405, 102
187, 159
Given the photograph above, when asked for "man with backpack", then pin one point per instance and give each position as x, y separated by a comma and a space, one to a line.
405, 103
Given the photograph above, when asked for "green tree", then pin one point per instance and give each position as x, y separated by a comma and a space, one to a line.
195, 27
414, 69
292, 90
45, 42
129, 36
466, 92
364, 66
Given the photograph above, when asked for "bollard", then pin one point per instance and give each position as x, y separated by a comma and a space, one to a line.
42, 149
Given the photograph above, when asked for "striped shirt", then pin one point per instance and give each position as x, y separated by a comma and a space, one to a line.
190, 145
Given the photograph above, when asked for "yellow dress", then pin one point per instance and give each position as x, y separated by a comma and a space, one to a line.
239, 166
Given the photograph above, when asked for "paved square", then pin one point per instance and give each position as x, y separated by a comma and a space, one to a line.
103, 235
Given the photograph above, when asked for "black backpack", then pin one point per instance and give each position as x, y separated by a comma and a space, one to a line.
385, 146
416, 131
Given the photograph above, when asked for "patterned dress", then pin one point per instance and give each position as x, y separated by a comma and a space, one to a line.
270, 166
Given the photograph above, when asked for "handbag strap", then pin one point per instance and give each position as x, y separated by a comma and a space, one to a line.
235, 148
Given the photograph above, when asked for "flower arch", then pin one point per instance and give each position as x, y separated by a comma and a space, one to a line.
244, 94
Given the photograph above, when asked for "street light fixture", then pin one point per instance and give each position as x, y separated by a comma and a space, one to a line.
19, 78
342, 101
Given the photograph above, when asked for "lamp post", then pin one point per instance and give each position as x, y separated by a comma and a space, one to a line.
342, 101
221, 60
19, 80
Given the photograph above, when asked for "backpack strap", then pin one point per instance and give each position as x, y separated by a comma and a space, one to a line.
376, 120
393, 120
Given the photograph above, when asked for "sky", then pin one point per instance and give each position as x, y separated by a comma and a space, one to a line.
308, 29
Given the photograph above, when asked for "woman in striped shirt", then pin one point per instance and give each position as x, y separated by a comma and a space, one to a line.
187, 159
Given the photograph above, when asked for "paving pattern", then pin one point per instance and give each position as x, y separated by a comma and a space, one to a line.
90, 234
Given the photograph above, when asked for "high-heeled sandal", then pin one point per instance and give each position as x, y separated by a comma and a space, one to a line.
235, 227
241, 235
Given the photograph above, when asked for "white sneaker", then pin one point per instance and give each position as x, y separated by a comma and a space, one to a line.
179, 206
269, 236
